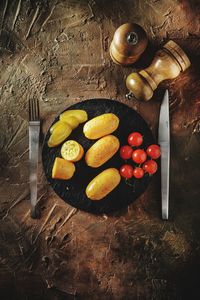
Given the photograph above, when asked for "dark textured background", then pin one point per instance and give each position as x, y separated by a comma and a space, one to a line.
57, 51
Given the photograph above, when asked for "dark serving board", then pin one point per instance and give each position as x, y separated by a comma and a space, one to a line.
73, 191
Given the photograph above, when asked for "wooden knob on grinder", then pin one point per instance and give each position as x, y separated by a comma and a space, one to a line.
129, 42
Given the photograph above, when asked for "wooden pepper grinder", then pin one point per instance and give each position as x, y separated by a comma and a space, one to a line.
167, 64
129, 42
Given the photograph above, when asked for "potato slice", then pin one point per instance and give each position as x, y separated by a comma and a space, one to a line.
62, 169
72, 121
56, 125
59, 134
72, 151
81, 115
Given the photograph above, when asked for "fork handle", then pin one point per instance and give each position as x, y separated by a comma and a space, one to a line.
34, 132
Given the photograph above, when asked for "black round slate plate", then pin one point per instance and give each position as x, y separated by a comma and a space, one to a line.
73, 191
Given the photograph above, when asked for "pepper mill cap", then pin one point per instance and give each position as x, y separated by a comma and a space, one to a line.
129, 42
178, 53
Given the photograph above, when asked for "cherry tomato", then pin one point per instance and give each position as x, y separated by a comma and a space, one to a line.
139, 156
153, 151
138, 172
126, 171
126, 152
135, 139
150, 166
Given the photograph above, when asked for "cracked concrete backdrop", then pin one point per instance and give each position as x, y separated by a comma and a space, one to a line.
57, 51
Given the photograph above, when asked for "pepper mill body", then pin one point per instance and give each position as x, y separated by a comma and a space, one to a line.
167, 64
129, 42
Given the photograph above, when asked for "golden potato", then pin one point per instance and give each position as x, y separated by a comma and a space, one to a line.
81, 115
103, 184
101, 126
102, 151
62, 169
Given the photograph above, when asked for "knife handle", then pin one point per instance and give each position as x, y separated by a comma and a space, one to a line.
165, 169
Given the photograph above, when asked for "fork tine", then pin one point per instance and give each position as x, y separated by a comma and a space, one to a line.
29, 109
33, 110
37, 110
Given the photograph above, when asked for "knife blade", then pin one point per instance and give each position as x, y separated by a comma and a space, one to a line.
164, 142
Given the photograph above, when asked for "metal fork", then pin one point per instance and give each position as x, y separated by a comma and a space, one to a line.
34, 134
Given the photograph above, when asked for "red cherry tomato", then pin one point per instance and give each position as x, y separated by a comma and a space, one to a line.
139, 156
138, 172
150, 166
135, 139
153, 151
126, 152
126, 171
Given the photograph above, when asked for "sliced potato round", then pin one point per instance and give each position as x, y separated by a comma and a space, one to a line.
72, 121
81, 115
59, 134
72, 151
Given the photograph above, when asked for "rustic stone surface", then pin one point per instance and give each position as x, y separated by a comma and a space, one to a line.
58, 51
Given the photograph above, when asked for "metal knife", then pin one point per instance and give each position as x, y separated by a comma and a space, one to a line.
164, 142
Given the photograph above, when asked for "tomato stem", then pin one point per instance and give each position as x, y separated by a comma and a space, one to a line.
130, 184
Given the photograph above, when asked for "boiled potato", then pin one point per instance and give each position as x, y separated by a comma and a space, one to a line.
101, 126
59, 134
103, 184
102, 151
81, 115
62, 169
